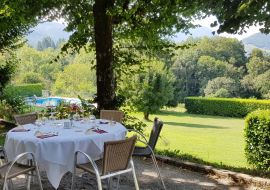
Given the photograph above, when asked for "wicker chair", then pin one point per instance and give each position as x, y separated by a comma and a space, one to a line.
12, 169
117, 115
117, 160
150, 146
26, 118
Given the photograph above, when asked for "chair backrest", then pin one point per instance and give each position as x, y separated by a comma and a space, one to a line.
117, 115
117, 154
26, 118
157, 126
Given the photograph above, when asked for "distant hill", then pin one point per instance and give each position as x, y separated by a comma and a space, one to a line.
257, 40
196, 32
52, 29
55, 31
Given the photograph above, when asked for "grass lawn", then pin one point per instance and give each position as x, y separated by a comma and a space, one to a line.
212, 138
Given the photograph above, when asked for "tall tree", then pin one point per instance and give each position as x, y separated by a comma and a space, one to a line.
143, 22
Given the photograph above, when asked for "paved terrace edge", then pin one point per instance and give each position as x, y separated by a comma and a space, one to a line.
240, 178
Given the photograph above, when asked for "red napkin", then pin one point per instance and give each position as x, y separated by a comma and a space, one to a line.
20, 130
79, 119
100, 131
106, 122
46, 136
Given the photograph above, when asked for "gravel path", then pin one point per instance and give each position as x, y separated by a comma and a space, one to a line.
174, 177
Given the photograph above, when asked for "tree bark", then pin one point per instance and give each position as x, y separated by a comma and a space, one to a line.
104, 55
146, 116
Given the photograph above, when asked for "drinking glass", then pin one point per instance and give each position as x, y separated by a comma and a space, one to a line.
76, 117
38, 123
52, 119
92, 119
44, 120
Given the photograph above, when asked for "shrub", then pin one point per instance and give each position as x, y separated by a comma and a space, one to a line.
12, 97
257, 138
224, 106
29, 89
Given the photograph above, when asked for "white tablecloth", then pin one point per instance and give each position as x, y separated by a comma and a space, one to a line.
57, 153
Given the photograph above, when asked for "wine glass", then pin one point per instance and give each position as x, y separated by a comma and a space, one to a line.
92, 119
38, 111
76, 117
82, 110
38, 123
44, 120
52, 118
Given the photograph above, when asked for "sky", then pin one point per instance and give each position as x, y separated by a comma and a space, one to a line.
206, 23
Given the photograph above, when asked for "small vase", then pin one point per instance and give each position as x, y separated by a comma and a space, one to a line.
71, 123
70, 117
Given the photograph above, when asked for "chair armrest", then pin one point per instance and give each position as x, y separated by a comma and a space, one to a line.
90, 160
16, 159
147, 146
139, 134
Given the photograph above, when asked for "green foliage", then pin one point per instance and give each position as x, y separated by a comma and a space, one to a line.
257, 138
76, 77
218, 83
6, 111
256, 82
150, 91
32, 78
45, 43
131, 122
13, 98
224, 106
29, 89
222, 93
210, 58
8, 66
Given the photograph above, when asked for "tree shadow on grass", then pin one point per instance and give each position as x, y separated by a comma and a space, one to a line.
192, 125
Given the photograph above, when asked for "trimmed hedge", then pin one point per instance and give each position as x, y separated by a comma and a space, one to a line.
224, 106
28, 90
257, 138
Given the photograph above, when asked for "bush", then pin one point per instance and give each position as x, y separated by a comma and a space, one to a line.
224, 106
12, 97
28, 90
257, 138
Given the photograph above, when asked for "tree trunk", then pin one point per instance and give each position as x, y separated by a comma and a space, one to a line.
104, 55
146, 116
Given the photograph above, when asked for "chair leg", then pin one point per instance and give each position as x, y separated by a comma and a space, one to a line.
99, 182
73, 177
118, 182
10, 184
156, 165
38, 178
5, 186
28, 177
29, 163
154, 161
109, 181
134, 175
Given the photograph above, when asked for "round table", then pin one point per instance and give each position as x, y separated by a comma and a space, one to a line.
57, 153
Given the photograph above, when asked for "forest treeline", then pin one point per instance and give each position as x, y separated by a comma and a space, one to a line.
210, 67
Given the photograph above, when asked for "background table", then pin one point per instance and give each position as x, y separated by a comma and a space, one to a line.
57, 153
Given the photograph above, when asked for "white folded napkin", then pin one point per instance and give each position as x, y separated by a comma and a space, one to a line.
89, 132
111, 123
38, 133
20, 127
